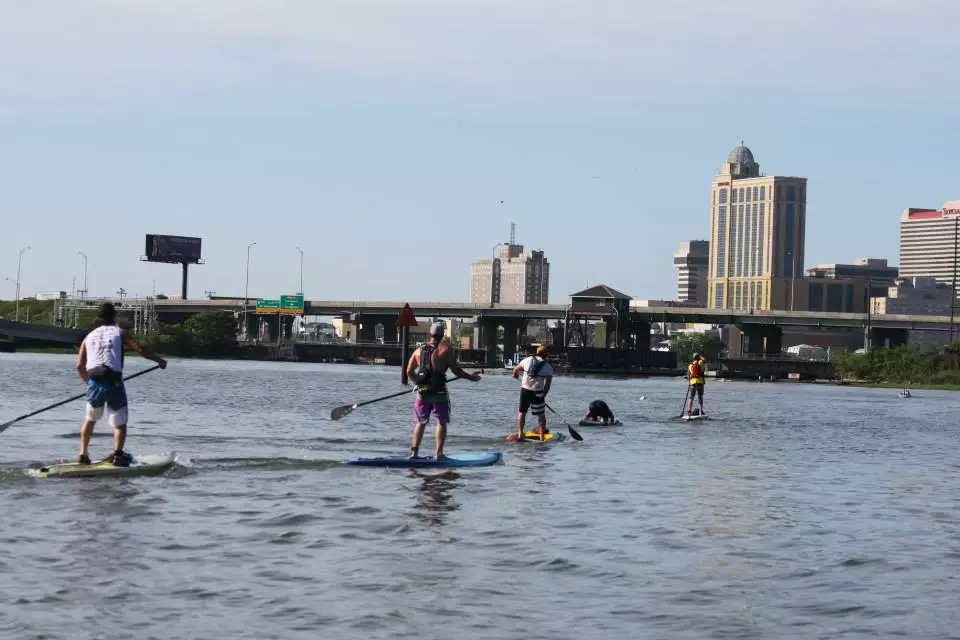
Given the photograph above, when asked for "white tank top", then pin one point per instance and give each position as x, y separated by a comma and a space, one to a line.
105, 348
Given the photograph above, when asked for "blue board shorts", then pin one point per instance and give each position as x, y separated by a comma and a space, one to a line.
112, 396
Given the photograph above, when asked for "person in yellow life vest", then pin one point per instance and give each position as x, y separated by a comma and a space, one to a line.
697, 376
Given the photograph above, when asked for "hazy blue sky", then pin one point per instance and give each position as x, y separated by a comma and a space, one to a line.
382, 135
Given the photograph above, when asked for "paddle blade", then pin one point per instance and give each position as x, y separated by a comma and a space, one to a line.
573, 433
3, 427
340, 412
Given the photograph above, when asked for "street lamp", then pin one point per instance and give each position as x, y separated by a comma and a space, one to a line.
301, 270
19, 264
246, 291
84, 273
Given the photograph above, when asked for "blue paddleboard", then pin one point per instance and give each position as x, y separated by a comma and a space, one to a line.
452, 460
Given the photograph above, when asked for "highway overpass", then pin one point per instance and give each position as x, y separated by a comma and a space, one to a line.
559, 312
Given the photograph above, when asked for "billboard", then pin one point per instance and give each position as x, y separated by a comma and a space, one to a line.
173, 249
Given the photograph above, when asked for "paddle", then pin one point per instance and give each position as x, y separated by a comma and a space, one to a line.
683, 407
4, 426
573, 432
347, 409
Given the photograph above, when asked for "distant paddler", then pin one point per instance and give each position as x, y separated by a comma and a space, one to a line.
100, 365
697, 378
427, 369
534, 386
598, 411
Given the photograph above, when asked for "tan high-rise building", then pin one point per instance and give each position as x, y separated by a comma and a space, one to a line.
515, 277
756, 236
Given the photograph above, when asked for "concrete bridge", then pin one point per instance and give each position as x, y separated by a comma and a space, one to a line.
38, 334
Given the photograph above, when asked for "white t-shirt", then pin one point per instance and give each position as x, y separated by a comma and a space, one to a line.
105, 348
535, 383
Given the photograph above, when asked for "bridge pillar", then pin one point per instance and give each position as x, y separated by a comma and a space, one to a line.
366, 328
760, 340
888, 338
487, 339
513, 331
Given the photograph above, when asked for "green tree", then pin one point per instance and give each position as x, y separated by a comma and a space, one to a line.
686, 344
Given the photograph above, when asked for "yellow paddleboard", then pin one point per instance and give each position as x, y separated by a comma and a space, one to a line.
533, 436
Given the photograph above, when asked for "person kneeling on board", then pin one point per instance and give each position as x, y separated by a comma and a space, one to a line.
600, 412
100, 365
427, 369
534, 386
696, 376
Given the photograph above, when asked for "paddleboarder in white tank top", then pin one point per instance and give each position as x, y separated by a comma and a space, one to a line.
100, 365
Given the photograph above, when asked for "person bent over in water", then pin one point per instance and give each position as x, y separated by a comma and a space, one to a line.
600, 412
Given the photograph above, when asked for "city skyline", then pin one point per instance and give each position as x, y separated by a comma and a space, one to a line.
351, 135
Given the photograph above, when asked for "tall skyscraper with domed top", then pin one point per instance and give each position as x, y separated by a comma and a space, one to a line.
756, 236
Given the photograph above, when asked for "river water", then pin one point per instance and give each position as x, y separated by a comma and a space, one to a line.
797, 511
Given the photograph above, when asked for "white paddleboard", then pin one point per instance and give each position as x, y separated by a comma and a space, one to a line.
141, 466
702, 416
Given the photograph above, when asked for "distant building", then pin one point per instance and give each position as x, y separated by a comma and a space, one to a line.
692, 263
873, 270
928, 242
915, 296
756, 236
918, 296
514, 277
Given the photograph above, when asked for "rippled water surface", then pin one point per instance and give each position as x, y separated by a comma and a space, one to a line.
797, 511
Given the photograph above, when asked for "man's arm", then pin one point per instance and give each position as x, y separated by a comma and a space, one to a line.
143, 350
548, 380
517, 370
82, 362
455, 367
413, 363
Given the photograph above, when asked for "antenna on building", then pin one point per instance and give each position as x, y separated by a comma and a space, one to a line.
513, 233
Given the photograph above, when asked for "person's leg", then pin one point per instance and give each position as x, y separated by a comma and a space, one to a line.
86, 431
117, 407
700, 397
693, 393
442, 411
421, 412
522, 414
539, 409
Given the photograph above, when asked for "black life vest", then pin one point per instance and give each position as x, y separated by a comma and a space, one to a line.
425, 376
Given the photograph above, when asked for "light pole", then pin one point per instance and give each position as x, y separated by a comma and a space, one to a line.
301, 270
84, 273
19, 264
246, 290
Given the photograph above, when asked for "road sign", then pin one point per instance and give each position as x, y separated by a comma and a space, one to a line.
407, 319
268, 306
292, 304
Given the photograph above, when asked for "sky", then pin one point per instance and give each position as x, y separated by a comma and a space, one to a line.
394, 141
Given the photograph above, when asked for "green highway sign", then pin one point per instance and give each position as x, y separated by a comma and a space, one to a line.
292, 304
268, 306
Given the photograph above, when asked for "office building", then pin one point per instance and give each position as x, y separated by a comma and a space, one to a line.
918, 296
928, 242
513, 277
692, 264
756, 236
874, 271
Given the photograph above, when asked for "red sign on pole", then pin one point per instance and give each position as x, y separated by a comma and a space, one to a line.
407, 319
